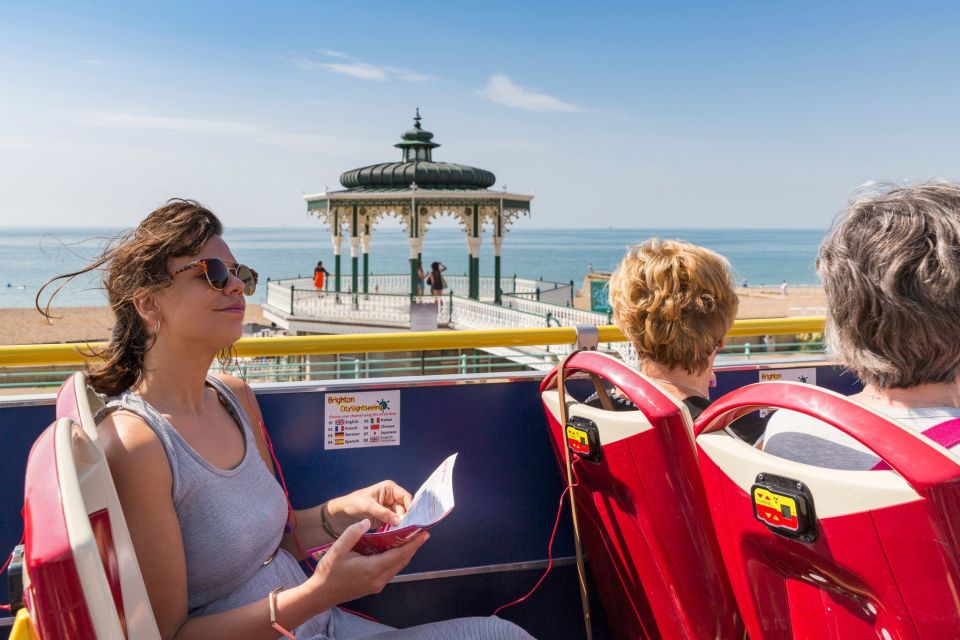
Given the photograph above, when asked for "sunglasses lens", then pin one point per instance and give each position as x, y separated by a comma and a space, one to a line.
217, 273
249, 278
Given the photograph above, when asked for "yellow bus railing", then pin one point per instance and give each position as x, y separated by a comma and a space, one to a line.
73, 353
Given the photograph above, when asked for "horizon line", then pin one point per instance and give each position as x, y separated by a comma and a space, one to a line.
600, 228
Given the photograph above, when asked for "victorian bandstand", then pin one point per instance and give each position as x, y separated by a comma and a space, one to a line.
416, 190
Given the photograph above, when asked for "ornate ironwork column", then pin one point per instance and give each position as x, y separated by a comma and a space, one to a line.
473, 242
497, 243
474, 246
416, 242
416, 247
365, 241
354, 252
337, 245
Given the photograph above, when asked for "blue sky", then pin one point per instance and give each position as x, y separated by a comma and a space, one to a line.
612, 114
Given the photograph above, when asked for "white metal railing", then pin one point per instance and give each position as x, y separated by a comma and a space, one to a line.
375, 308
458, 284
525, 285
473, 314
561, 295
388, 283
563, 314
543, 290
557, 315
281, 293
297, 297
394, 308
488, 287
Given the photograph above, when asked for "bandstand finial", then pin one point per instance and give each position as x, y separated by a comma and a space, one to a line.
416, 119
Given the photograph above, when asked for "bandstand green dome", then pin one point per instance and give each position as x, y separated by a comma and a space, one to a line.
417, 167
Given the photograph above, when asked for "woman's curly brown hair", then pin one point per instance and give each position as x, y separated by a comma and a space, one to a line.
675, 301
134, 263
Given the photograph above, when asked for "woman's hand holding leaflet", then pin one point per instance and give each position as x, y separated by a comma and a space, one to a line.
343, 575
383, 503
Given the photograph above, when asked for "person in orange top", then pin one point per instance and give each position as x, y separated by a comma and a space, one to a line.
319, 276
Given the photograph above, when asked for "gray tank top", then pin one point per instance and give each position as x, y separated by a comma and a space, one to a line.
231, 520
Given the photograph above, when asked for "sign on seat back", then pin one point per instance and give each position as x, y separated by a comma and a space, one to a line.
82, 577
643, 517
822, 553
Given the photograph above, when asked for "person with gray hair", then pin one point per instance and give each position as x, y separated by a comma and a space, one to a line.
891, 273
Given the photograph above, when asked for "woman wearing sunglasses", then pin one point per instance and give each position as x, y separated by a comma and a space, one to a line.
215, 541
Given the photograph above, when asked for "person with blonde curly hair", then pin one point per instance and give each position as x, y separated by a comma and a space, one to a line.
676, 301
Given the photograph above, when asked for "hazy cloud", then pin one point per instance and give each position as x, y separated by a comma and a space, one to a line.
170, 123
57, 146
361, 70
410, 75
502, 90
253, 132
330, 53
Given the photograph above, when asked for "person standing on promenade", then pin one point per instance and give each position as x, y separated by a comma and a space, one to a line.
436, 280
217, 544
783, 289
421, 278
319, 276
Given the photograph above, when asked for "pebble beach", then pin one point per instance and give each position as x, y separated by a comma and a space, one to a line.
73, 324
92, 324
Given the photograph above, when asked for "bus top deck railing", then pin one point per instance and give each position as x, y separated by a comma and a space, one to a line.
78, 353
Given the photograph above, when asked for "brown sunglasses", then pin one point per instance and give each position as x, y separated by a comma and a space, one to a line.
218, 273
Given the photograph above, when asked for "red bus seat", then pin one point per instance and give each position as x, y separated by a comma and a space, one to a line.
81, 576
822, 553
642, 512
77, 401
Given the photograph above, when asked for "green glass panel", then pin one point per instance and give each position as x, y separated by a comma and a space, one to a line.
598, 296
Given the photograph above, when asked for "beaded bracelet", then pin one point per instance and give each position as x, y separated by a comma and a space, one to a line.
326, 523
272, 598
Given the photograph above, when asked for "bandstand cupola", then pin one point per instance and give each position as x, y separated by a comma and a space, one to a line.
417, 144
417, 167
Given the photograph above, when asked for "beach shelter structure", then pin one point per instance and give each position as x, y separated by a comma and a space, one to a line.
416, 190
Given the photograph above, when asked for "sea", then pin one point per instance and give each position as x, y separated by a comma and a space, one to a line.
31, 256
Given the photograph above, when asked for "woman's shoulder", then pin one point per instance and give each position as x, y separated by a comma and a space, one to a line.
129, 442
244, 395
233, 383
241, 391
